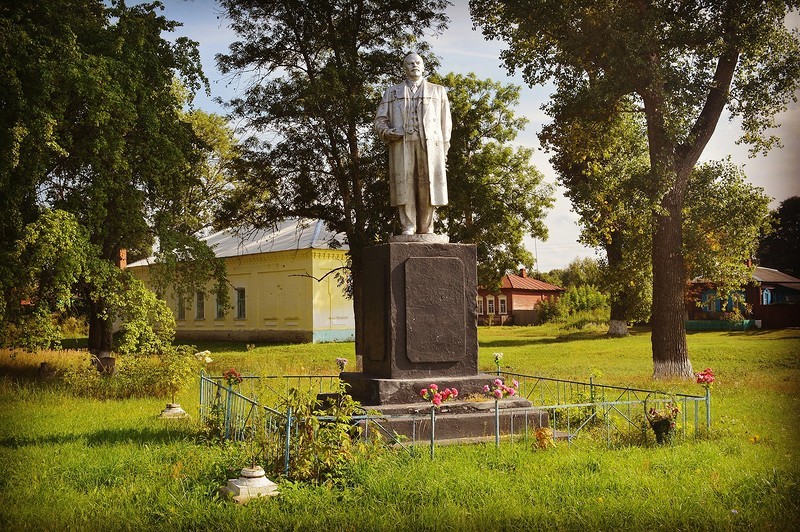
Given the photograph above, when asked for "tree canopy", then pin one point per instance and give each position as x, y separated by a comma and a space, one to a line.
93, 124
496, 195
780, 249
681, 64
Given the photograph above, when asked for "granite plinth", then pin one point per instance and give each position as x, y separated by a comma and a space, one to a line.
378, 393
463, 421
419, 314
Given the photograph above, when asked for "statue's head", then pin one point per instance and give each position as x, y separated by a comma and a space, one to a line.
413, 66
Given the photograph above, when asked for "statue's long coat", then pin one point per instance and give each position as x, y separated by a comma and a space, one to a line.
435, 125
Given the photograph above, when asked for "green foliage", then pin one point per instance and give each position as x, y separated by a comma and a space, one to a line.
161, 375
323, 449
94, 123
496, 196
49, 259
148, 325
779, 248
679, 65
583, 297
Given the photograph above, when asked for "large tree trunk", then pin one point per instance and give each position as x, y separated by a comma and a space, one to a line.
100, 329
618, 324
670, 354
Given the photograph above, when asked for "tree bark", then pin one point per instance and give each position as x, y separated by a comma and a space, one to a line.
100, 329
670, 353
618, 324
668, 340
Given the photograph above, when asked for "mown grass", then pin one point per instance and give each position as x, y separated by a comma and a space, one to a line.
81, 464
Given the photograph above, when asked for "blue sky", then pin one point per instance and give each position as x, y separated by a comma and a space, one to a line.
464, 50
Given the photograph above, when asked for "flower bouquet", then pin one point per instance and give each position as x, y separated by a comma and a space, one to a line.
432, 394
498, 389
662, 421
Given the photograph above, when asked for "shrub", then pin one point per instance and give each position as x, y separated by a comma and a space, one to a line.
160, 375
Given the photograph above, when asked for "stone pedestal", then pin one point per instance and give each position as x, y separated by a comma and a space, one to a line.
251, 483
173, 411
419, 313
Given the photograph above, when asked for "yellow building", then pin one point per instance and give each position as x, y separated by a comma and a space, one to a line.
274, 288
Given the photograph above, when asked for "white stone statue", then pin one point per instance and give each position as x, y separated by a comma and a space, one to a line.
414, 119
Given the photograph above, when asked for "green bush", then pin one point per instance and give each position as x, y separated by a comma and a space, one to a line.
135, 375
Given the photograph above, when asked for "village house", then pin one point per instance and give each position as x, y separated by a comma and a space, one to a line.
771, 299
515, 303
282, 284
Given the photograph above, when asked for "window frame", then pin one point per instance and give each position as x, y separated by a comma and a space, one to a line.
200, 306
490, 305
502, 305
241, 303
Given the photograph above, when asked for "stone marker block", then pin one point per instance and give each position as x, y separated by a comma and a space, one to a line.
252, 483
173, 411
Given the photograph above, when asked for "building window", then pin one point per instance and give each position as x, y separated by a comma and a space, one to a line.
220, 308
501, 303
241, 312
480, 305
181, 308
200, 306
709, 301
490, 305
766, 297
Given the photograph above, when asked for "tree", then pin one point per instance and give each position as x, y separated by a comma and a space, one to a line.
495, 195
682, 63
601, 160
95, 127
724, 218
318, 70
781, 248
603, 164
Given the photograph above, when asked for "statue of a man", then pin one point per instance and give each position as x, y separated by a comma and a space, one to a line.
414, 119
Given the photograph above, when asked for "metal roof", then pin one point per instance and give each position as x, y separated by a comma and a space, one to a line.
289, 235
517, 282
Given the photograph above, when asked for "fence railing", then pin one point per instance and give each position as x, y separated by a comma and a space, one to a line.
614, 413
576, 405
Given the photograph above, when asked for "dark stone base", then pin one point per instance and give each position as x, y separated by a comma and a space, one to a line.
463, 421
379, 393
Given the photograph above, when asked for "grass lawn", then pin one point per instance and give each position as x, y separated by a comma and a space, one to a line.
76, 463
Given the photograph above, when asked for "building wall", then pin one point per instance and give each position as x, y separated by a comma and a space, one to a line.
282, 301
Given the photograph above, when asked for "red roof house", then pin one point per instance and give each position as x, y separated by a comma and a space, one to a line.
515, 304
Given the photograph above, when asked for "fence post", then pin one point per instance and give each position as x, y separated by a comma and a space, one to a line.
228, 401
288, 441
708, 409
433, 428
202, 386
497, 423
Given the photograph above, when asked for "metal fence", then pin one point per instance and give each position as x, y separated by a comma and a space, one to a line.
571, 408
616, 412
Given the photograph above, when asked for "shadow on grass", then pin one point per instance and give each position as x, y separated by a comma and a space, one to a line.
141, 436
561, 338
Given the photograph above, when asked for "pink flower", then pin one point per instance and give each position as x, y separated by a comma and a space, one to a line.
498, 382
486, 389
498, 393
437, 399
455, 392
423, 392
434, 387
515, 383
511, 391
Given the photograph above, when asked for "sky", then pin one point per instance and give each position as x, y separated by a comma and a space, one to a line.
462, 50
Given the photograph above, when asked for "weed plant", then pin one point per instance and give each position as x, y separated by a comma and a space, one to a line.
78, 463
